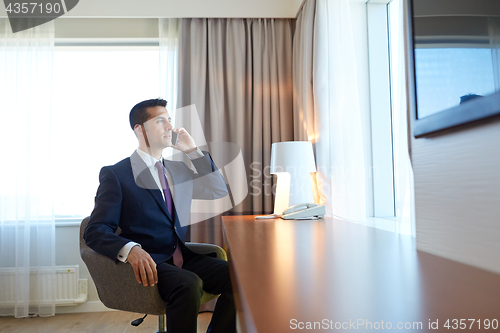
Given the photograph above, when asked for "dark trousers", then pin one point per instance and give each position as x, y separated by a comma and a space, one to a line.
182, 290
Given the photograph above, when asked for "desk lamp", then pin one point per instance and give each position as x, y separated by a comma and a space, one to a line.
292, 162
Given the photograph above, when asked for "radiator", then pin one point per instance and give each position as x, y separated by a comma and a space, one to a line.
70, 290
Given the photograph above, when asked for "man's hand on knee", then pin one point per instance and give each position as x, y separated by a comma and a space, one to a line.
144, 266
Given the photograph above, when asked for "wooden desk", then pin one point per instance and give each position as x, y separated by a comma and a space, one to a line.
336, 273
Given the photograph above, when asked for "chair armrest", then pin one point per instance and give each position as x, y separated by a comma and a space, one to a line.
203, 248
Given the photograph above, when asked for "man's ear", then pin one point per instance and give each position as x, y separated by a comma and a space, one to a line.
138, 129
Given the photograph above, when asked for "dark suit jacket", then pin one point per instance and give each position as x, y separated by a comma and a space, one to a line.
129, 198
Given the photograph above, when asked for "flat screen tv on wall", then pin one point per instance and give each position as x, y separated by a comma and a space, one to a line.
456, 63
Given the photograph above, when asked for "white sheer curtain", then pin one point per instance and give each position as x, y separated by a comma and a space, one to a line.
326, 107
169, 59
27, 230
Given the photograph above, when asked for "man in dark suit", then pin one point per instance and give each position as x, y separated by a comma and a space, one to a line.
149, 199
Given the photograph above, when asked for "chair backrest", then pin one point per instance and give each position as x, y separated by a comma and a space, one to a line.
83, 225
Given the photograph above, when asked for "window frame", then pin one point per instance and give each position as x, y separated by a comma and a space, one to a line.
384, 192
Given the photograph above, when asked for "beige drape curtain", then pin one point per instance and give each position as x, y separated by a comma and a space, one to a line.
238, 75
303, 97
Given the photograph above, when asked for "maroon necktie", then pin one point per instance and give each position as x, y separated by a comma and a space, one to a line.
170, 206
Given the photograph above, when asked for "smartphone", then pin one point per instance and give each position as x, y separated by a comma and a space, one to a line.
175, 136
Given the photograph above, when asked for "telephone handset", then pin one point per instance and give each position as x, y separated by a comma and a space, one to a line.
175, 136
304, 211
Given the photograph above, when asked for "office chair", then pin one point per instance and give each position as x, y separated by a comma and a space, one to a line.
118, 289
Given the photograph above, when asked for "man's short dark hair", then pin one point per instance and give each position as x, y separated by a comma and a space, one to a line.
139, 113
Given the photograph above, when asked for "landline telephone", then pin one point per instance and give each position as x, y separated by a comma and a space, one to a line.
304, 211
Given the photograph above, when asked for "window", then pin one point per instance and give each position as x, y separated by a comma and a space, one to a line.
381, 113
445, 73
392, 178
403, 174
94, 89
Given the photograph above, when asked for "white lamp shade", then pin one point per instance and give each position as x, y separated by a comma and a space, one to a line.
292, 156
292, 162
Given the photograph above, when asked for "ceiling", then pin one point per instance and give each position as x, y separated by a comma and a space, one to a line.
182, 8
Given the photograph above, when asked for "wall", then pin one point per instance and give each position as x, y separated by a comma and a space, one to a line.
105, 28
184, 8
457, 191
68, 253
457, 195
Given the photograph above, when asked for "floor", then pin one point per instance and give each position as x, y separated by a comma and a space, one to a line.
93, 322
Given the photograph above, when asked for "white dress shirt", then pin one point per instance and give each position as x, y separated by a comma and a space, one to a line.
150, 162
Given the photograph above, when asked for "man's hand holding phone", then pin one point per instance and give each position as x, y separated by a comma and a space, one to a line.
182, 140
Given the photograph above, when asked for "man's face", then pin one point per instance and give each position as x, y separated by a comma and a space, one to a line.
158, 129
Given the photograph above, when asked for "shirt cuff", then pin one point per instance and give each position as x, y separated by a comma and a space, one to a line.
125, 250
195, 154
